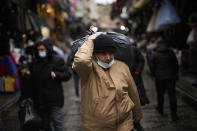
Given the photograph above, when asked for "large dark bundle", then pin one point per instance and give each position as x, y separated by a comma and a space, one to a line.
123, 46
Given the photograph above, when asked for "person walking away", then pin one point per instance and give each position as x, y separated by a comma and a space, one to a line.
47, 74
108, 91
136, 67
75, 77
164, 67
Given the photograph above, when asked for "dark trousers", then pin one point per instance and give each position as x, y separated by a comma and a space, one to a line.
141, 90
169, 85
52, 116
76, 83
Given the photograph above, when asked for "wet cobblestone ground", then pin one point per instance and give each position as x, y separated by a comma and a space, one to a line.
152, 121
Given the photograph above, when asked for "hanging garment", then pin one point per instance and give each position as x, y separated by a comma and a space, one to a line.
16, 83
192, 37
11, 64
168, 14
4, 69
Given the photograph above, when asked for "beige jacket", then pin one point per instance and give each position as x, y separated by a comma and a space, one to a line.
108, 96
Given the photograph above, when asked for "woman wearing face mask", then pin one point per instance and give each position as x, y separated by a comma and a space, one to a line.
47, 73
109, 94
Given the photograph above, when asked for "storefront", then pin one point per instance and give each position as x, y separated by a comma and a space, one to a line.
174, 20
20, 28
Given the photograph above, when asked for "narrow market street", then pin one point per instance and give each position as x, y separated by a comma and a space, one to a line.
152, 120
41, 40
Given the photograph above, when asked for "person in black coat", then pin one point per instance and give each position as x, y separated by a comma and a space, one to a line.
136, 67
164, 67
47, 73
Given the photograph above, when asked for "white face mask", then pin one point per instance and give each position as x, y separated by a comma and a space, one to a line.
105, 65
42, 54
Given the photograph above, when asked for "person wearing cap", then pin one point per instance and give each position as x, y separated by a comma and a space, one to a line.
47, 73
108, 92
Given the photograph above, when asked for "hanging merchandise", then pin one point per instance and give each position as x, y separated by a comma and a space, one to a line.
4, 68
32, 20
192, 37
16, 83
11, 64
138, 5
27, 22
19, 19
168, 14
9, 84
152, 26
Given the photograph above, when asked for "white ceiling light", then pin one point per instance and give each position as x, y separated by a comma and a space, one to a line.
122, 27
104, 2
95, 29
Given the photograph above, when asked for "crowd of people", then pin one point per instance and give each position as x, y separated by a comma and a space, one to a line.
112, 93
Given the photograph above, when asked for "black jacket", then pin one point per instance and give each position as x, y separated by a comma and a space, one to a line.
164, 64
137, 60
47, 91
25, 86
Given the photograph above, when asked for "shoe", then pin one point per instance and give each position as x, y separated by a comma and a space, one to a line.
144, 101
159, 111
138, 127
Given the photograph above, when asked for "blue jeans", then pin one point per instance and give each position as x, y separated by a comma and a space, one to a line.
76, 82
52, 115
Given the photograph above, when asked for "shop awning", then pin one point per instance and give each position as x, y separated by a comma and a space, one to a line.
138, 5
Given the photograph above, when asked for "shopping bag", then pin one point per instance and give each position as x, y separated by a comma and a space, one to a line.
29, 112
9, 84
168, 14
28, 118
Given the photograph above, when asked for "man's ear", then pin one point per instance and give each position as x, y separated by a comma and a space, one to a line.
94, 54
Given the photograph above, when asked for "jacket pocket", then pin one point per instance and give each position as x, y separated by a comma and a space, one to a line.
97, 107
123, 104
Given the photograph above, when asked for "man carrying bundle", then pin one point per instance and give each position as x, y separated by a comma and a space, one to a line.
108, 91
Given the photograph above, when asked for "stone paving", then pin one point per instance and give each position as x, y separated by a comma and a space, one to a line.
152, 121
71, 110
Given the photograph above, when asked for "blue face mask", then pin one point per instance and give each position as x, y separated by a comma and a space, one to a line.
42, 54
105, 65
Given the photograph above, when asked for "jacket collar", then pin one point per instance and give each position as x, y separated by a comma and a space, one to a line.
102, 74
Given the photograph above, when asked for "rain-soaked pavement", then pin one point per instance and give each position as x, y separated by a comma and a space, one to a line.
152, 121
